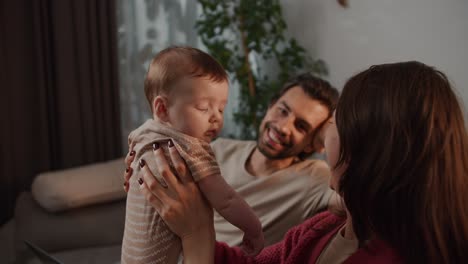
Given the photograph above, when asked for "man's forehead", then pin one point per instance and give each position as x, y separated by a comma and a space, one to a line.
304, 106
296, 96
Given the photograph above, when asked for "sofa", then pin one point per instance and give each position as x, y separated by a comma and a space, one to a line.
77, 215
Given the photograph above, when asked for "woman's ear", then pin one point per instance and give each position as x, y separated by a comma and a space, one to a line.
160, 110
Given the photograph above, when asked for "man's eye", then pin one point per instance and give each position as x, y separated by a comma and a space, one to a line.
282, 111
202, 109
221, 111
301, 128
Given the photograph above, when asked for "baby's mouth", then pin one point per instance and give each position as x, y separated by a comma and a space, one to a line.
211, 133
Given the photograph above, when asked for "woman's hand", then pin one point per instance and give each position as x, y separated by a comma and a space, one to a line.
181, 205
128, 170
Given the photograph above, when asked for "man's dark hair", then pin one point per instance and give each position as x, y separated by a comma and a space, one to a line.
315, 87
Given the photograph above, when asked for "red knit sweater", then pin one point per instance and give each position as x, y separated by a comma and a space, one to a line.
305, 242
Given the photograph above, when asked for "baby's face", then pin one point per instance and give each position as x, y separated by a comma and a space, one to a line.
196, 107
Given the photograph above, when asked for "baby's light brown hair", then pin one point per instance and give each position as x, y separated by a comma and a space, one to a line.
176, 62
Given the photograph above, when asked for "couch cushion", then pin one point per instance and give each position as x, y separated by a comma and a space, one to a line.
97, 255
92, 226
7, 238
76, 187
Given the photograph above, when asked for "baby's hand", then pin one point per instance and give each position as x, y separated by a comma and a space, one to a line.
252, 245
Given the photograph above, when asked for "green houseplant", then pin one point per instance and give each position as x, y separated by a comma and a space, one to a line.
248, 38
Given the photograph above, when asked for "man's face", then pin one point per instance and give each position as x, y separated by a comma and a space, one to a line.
289, 125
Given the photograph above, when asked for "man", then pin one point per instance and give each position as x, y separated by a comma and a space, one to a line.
272, 175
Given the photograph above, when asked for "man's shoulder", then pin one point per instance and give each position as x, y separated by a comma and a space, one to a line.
313, 166
228, 146
310, 176
230, 141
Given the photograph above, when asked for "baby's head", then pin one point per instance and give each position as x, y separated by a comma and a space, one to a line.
187, 90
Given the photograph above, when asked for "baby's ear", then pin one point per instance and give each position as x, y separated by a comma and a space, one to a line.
160, 110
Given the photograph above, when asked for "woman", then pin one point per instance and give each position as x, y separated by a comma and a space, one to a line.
398, 149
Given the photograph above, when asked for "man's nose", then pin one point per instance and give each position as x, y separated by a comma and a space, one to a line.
285, 125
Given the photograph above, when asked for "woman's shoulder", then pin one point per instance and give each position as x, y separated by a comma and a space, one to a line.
376, 251
319, 224
324, 220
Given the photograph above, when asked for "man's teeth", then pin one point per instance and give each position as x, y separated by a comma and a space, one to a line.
273, 137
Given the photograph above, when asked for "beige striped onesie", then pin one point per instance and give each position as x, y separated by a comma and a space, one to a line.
146, 238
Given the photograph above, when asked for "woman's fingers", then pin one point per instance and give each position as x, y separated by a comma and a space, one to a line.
153, 185
148, 178
182, 206
127, 174
151, 198
163, 167
130, 157
179, 164
128, 170
165, 209
160, 197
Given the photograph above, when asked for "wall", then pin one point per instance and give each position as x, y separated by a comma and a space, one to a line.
372, 32
349, 40
145, 27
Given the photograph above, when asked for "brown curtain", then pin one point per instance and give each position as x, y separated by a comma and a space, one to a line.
59, 89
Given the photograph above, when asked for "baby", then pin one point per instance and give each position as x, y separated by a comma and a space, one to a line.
187, 90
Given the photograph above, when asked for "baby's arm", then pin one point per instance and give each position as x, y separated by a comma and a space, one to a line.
234, 209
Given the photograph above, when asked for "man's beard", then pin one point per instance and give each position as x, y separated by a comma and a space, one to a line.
262, 146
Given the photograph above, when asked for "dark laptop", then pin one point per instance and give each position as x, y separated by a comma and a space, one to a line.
43, 256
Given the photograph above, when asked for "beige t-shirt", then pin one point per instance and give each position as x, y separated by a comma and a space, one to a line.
338, 249
281, 200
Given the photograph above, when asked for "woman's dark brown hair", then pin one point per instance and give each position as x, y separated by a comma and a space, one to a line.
404, 140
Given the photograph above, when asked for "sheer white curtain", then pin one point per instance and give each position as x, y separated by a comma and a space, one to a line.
144, 28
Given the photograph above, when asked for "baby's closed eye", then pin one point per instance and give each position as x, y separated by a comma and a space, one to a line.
202, 108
